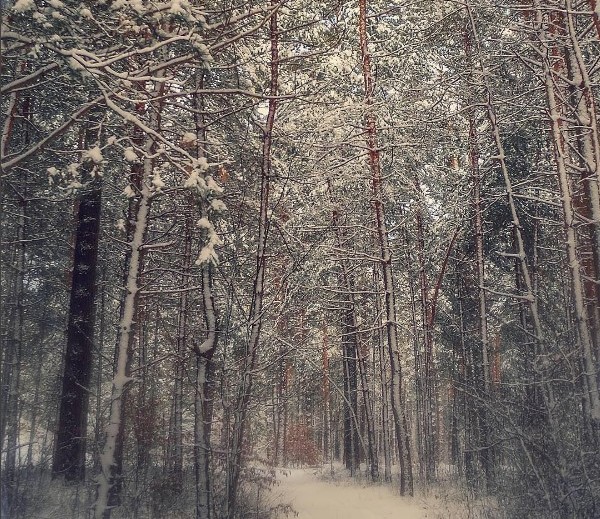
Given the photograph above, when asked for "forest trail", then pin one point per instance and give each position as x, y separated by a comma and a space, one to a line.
316, 498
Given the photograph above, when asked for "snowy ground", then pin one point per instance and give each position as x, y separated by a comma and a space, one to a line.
313, 497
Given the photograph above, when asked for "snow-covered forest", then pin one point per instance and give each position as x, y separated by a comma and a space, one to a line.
354, 234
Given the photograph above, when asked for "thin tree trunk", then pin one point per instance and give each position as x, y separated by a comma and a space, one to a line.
256, 311
325, 392
203, 407
480, 357
348, 332
176, 434
419, 361
12, 357
482, 377
99, 368
384, 383
372, 456
35, 409
106, 478
425, 403
349, 352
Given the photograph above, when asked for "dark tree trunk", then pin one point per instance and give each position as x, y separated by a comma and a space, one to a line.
369, 413
351, 442
69, 454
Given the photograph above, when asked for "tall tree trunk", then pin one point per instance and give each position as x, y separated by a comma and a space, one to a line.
481, 367
372, 455
540, 400
424, 377
110, 477
114, 436
175, 461
349, 352
481, 358
588, 201
12, 376
325, 393
256, 310
203, 404
12, 354
203, 401
581, 313
383, 382
402, 437
348, 333
202, 429
70, 445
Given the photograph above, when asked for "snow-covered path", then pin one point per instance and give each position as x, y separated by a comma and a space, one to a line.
315, 498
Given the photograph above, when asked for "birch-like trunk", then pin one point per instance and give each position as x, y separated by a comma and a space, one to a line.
106, 478
203, 401
203, 406
581, 314
109, 478
588, 140
527, 289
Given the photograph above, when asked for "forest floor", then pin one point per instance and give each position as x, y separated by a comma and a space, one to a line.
314, 496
